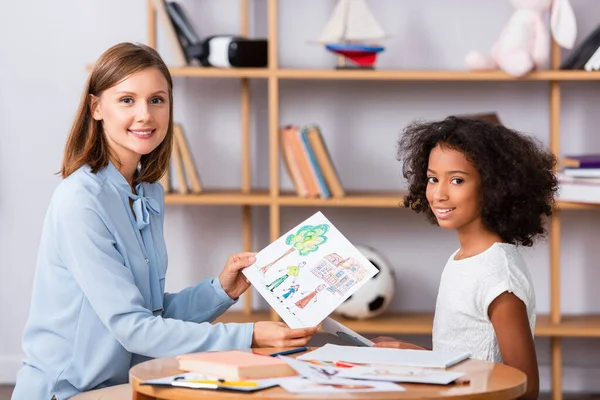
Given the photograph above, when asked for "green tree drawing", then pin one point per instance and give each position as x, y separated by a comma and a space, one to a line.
306, 240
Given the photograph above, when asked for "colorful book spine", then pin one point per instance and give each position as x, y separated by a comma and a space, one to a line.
316, 169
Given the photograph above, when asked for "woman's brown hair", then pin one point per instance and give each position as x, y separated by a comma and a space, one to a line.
86, 143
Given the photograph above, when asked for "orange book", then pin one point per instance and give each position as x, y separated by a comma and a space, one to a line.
235, 365
291, 163
303, 161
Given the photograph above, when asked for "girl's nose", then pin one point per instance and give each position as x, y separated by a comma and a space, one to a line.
441, 192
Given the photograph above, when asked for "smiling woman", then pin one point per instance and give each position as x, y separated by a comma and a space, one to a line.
135, 115
100, 274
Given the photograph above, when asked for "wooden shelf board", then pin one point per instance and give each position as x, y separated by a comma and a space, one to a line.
567, 205
421, 324
422, 75
220, 197
383, 75
352, 199
208, 72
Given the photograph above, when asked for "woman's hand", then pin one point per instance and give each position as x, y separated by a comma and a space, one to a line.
278, 334
233, 282
385, 341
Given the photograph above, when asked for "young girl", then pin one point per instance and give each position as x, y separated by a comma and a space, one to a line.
495, 187
99, 305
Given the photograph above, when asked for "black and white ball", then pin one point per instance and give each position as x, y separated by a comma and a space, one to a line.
376, 294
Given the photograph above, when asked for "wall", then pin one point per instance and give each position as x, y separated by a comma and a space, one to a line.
42, 72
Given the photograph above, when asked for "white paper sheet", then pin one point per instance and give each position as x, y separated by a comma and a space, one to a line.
335, 328
303, 385
309, 271
317, 373
401, 374
380, 355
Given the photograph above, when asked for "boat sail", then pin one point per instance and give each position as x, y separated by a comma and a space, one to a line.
350, 29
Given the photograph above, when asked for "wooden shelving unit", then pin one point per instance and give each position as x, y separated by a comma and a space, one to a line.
555, 325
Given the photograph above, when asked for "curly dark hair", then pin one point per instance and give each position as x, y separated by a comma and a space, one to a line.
518, 183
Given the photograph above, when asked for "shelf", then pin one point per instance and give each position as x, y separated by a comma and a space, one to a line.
207, 72
352, 199
356, 199
567, 205
421, 75
221, 197
377, 74
421, 324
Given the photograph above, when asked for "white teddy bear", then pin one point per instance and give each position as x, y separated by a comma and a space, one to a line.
524, 43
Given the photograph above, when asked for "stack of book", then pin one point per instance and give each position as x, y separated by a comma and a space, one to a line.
580, 178
309, 163
182, 176
585, 56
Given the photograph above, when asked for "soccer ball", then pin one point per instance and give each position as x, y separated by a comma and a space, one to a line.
375, 295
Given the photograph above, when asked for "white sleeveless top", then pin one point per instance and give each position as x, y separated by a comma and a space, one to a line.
467, 288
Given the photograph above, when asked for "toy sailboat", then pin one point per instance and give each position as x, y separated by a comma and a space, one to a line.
350, 26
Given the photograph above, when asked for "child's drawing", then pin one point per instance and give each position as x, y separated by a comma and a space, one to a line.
291, 291
306, 240
318, 259
292, 270
303, 302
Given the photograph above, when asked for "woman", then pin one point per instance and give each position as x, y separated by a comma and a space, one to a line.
98, 304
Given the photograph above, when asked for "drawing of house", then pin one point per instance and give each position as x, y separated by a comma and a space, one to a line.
339, 273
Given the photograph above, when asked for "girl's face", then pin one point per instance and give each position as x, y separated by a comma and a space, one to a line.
134, 114
453, 189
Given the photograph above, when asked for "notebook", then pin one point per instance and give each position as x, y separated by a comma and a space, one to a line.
235, 365
385, 356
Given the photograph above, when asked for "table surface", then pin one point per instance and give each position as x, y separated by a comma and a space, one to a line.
488, 381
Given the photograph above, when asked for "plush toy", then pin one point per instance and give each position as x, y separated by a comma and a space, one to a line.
524, 43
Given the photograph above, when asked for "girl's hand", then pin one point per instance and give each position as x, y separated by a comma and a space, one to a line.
233, 282
278, 334
384, 341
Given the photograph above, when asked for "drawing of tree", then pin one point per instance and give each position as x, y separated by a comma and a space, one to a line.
306, 240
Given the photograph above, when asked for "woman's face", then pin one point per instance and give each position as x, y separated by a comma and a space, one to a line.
134, 114
453, 189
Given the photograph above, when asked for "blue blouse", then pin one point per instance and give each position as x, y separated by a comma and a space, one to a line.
99, 304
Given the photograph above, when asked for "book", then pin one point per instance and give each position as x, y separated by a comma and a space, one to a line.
317, 143
292, 134
309, 271
290, 159
580, 55
386, 356
314, 165
582, 172
179, 58
235, 365
579, 190
179, 173
581, 161
188, 162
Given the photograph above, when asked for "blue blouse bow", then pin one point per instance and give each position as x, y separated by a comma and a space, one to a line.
142, 206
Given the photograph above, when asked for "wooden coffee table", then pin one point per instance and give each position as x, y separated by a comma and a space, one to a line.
488, 381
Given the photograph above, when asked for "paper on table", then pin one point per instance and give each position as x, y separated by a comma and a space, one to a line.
401, 374
309, 271
317, 373
183, 380
335, 328
380, 355
303, 385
